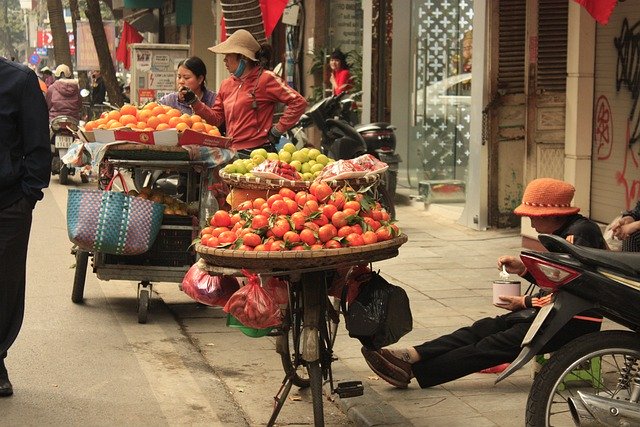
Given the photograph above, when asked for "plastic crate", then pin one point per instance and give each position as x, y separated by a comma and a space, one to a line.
170, 249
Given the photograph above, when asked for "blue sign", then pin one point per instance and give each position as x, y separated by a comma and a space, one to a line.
34, 59
42, 51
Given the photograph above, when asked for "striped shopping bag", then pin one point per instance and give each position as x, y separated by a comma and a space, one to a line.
112, 222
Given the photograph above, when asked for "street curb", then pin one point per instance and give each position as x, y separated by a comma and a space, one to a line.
366, 410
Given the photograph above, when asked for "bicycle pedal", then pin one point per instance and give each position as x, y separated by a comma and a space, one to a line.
349, 389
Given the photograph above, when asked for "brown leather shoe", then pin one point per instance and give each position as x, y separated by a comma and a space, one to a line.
385, 369
405, 366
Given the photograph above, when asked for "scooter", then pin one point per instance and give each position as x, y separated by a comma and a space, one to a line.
63, 131
595, 379
334, 117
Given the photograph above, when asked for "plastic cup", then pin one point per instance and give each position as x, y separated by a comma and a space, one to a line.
505, 288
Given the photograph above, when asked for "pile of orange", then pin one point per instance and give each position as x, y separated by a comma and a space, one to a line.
152, 116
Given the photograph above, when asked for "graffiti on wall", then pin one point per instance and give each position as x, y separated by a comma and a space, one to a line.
627, 67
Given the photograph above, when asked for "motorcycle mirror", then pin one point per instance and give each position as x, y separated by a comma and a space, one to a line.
84, 93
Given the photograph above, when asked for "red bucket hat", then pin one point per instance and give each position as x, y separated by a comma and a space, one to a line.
547, 197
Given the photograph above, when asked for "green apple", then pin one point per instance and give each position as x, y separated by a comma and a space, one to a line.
317, 167
296, 164
299, 156
308, 176
321, 158
289, 147
258, 158
230, 168
259, 152
314, 153
284, 155
306, 167
273, 156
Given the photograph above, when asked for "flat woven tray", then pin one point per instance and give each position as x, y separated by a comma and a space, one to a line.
255, 183
293, 260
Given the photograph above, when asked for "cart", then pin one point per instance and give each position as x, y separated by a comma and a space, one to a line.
171, 255
306, 337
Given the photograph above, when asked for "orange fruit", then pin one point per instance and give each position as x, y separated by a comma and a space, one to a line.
102, 126
157, 110
89, 126
214, 132
187, 119
150, 106
180, 127
110, 122
143, 115
207, 127
173, 112
115, 125
163, 118
198, 126
153, 122
114, 115
148, 129
128, 119
196, 118
173, 121
142, 125
162, 126
129, 109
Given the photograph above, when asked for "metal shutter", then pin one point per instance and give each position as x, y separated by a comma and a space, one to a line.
511, 45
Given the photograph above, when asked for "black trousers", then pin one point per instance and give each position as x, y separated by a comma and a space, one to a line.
486, 343
15, 226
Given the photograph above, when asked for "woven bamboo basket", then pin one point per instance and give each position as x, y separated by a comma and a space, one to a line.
293, 260
256, 183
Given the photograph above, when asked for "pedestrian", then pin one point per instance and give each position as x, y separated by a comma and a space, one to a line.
63, 96
340, 76
25, 168
247, 99
192, 74
98, 88
627, 229
490, 342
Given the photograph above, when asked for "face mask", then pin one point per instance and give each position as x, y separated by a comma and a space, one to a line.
241, 65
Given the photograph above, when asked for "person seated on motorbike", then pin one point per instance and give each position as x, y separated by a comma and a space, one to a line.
340, 76
247, 99
490, 342
627, 229
192, 75
63, 96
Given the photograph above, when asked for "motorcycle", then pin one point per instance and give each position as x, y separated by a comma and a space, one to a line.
63, 131
595, 379
342, 139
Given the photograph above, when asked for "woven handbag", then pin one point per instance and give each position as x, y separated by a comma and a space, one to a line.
112, 222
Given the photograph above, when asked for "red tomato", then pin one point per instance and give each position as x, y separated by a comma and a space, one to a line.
354, 239
321, 190
312, 226
298, 248
213, 242
303, 197
227, 237
310, 207
244, 248
383, 233
376, 214
251, 239
298, 219
221, 219
369, 237
332, 244
337, 199
308, 236
280, 207
259, 221
328, 210
287, 192
216, 231
327, 232
395, 230
235, 218
344, 231
339, 219
321, 220
280, 227
357, 228
206, 230
277, 245
292, 206
204, 239
245, 206
260, 248
352, 204
385, 216
259, 203
316, 246
273, 198
372, 223
348, 211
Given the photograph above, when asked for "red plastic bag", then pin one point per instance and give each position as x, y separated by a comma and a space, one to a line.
253, 306
278, 289
208, 289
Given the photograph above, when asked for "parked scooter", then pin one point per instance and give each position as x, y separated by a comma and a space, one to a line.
594, 380
334, 117
63, 131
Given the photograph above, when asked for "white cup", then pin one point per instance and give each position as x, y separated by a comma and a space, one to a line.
505, 288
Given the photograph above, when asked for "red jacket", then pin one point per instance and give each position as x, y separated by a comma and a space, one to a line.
343, 81
234, 106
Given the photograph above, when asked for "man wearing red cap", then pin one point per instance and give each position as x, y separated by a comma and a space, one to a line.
493, 341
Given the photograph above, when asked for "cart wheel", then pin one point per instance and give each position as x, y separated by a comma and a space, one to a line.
80, 276
64, 175
143, 306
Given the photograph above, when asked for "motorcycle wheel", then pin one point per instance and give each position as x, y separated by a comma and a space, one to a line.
598, 359
64, 175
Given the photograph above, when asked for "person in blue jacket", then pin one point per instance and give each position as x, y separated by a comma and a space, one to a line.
25, 168
192, 74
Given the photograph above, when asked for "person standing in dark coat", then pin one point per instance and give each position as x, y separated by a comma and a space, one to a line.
98, 88
25, 168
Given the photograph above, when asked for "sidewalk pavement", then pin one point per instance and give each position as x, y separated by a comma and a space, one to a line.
447, 270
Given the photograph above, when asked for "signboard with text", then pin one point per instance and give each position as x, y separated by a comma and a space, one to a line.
153, 70
87, 58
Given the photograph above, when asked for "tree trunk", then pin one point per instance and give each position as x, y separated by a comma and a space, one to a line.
102, 49
75, 17
243, 14
61, 51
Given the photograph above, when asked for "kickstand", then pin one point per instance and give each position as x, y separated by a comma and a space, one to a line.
280, 398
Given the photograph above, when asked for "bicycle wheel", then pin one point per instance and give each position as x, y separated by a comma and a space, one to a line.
288, 344
601, 364
315, 378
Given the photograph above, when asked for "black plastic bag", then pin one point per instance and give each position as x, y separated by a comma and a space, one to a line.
380, 315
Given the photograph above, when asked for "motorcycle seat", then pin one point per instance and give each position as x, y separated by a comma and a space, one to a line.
624, 262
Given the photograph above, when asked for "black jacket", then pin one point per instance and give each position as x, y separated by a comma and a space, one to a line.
25, 152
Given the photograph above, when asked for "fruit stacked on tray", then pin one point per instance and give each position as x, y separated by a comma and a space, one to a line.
321, 218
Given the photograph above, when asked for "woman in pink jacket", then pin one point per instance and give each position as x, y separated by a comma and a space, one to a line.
63, 96
247, 99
